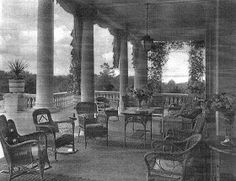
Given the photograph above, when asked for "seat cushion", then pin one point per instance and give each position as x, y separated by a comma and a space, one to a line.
167, 168
63, 140
96, 130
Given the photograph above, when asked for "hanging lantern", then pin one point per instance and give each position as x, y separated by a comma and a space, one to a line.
147, 41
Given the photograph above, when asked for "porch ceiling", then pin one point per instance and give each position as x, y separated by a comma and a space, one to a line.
168, 19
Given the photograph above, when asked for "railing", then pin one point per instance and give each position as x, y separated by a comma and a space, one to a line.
111, 95
30, 100
174, 98
60, 100
170, 98
64, 99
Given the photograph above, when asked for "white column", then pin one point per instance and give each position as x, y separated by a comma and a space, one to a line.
140, 77
123, 68
44, 85
87, 62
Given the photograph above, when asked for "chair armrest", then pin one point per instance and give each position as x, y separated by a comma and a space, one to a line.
72, 118
32, 136
25, 144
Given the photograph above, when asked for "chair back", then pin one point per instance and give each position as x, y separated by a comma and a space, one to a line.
86, 108
102, 104
5, 138
42, 116
199, 124
192, 141
102, 99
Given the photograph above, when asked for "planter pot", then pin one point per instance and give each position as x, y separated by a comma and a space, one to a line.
16, 86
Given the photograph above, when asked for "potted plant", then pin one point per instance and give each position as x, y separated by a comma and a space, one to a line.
226, 105
17, 68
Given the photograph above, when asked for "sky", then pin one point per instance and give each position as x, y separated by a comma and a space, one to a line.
18, 39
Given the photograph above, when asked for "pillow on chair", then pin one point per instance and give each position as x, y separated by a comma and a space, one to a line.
169, 166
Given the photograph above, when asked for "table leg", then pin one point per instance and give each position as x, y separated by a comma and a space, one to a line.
125, 131
145, 133
151, 129
162, 127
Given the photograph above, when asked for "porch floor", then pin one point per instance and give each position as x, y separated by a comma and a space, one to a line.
97, 161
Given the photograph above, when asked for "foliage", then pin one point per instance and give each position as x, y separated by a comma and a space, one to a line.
62, 83
197, 68
196, 87
30, 83
75, 72
105, 80
157, 58
17, 68
224, 103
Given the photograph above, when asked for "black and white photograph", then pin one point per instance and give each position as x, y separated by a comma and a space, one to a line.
118, 90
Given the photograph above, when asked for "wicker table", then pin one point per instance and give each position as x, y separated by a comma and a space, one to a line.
218, 151
142, 117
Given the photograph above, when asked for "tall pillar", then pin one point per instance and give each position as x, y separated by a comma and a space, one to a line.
87, 62
123, 68
44, 85
210, 44
140, 70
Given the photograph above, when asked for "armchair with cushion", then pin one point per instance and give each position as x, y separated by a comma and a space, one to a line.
90, 122
172, 160
23, 153
60, 134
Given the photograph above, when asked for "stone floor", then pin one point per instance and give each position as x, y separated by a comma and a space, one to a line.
98, 162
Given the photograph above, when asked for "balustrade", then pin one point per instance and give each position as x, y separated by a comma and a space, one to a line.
65, 99
170, 98
110, 95
61, 100
174, 98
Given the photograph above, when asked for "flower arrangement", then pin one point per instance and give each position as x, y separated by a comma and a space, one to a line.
141, 95
224, 103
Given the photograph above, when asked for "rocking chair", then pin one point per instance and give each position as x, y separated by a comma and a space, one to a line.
23, 154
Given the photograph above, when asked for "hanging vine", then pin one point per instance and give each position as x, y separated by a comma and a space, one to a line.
116, 46
75, 67
157, 58
196, 67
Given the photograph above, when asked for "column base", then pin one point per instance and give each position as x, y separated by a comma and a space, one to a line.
14, 102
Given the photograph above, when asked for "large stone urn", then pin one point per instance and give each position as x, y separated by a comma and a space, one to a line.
16, 85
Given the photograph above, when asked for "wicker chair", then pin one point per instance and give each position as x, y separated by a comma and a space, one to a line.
102, 104
23, 154
172, 160
110, 108
179, 134
90, 122
60, 134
